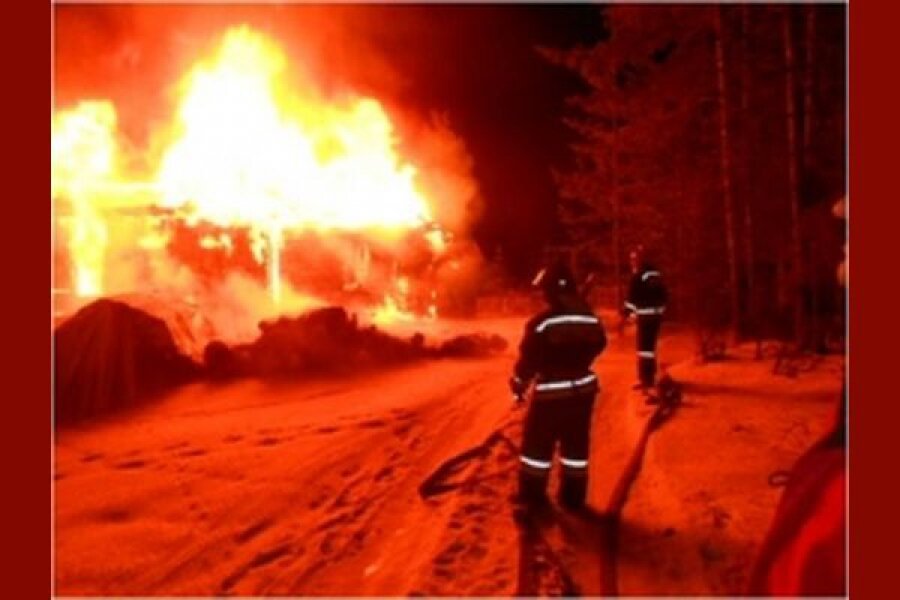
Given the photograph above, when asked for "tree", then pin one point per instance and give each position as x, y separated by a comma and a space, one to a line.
652, 89
726, 160
695, 137
745, 183
793, 179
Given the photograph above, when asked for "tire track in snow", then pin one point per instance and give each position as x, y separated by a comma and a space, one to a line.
241, 517
359, 491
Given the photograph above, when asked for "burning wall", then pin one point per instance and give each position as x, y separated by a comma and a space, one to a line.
262, 194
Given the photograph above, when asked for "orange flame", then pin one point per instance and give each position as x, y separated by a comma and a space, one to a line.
251, 154
83, 150
245, 150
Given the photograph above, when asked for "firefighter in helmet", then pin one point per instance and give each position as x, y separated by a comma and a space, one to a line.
646, 300
555, 356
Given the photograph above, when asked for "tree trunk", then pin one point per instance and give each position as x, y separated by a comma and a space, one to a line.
615, 107
808, 81
616, 216
793, 181
725, 154
682, 254
746, 184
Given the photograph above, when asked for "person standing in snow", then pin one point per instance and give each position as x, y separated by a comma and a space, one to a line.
646, 300
555, 356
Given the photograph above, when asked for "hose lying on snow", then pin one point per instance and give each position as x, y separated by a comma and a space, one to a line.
438, 482
538, 559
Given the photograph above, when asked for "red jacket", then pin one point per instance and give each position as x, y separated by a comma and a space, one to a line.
804, 553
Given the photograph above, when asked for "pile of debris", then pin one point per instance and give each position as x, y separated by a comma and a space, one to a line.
328, 341
111, 355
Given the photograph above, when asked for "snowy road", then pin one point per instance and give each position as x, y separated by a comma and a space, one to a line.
303, 489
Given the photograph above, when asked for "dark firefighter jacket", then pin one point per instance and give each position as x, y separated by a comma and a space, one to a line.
647, 294
559, 346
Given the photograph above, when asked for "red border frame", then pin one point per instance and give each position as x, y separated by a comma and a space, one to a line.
873, 405
871, 58
26, 255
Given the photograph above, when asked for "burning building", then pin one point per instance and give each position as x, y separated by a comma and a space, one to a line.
260, 194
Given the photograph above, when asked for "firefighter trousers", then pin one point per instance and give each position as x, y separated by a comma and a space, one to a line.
647, 335
562, 417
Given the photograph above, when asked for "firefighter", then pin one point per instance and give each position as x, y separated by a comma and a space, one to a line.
647, 302
557, 350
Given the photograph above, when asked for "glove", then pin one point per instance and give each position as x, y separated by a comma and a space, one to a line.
517, 387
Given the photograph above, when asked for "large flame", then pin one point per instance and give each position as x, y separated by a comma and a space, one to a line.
83, 151
244, 151
250, 153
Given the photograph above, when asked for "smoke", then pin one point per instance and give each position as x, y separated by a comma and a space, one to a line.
445, 170
228, 308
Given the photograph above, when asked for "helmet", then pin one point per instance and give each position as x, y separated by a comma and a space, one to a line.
555, 279
637, 252
636, 257
642, 258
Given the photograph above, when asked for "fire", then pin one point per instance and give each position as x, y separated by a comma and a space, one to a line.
394, 308
247, 150
83, 150
391, 312
251, 153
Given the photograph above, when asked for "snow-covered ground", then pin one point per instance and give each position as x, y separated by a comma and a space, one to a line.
307, 488
703, 502
310, 488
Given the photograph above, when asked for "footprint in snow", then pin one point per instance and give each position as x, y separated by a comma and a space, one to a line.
348, 471
384, 473
252, 531
260, 560
136, 463
192, 452
113, 515
402, 430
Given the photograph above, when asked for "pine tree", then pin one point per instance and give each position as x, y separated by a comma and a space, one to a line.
703, 137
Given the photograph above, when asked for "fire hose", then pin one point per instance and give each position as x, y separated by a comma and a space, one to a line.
438, 482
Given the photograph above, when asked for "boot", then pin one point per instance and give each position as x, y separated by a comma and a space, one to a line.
532, 491
573, 492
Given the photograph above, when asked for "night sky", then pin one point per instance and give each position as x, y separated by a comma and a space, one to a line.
476, 64
479, 63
